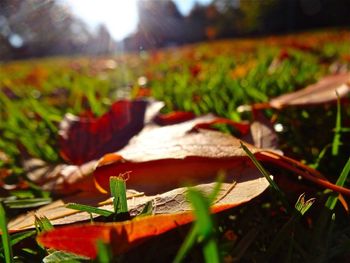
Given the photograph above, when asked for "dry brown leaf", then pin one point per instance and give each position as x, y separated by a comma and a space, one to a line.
72, 178
247, 184
262, 134
324, 91
161, 158
62, 178
125, 235
181, 154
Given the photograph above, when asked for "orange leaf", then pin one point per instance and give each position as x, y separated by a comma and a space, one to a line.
82, 239
125, 235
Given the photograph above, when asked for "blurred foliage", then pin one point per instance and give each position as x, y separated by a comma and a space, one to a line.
231, 18
36, 28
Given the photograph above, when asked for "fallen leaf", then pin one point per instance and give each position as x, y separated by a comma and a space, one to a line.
66, 178
161, 158
182, 154
36, 77
324, 91
278, 60
125, 235
142, 92
61, 178
242, 70
179, 155
262, 134
195, 69
174, 117
83, 139
81, 239
243, 128
246, 183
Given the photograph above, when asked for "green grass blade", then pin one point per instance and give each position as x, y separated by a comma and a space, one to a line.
187, 245
267, 176
281, 236
27, 203
320, 157
211, 251
332, 200
337, 133
5, 237
303, 206
118, 191
202, 230
18, 237
214, 193
89, 209
147, 209
42, 224
201, 206
104, 252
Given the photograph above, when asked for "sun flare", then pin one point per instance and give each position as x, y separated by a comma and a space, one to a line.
120, 17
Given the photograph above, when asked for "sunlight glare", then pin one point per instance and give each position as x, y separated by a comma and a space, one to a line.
120, 17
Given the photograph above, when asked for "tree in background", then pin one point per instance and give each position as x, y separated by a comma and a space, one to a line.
35, 28
161, 24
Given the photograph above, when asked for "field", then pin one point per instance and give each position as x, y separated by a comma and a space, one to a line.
213, 77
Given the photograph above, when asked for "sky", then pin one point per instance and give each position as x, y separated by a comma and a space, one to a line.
119, 16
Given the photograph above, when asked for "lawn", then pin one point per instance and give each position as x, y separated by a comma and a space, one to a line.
215, 77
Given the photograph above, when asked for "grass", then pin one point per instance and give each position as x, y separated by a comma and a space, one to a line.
203, 229
332, 200
208, 77
120, 205
263, 171
5, 237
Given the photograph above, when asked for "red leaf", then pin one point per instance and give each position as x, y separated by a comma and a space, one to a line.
174, 117
242, 127
84, 139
